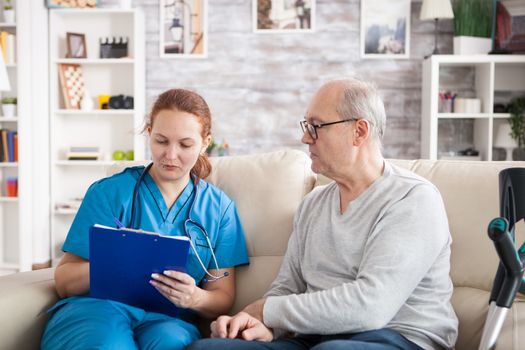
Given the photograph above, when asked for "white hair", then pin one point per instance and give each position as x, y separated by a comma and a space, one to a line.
361, 100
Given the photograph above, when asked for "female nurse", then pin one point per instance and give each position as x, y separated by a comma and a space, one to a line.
169, 193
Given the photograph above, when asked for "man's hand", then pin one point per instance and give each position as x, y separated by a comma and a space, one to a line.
242, 325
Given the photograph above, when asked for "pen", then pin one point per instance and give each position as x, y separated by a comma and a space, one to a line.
118, 223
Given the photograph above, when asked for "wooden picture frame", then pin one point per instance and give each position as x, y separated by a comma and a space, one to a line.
283, 16
76, 45
72, 84
385, 28
183, 28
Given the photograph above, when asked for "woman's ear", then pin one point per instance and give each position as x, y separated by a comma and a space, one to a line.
205, 143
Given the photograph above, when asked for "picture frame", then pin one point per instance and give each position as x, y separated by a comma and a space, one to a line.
283, 16
71, 3
183, 28
385, 29
76, 45
509, 27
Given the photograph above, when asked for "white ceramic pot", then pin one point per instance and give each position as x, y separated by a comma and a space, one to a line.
9, 110
470, 45
9, 16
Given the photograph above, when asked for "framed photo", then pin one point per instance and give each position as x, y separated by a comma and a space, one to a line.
76, 45
509, 31
283, 16
71, 3
385, 28
183, 28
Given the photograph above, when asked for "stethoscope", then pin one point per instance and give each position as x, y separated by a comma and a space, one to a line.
187, 222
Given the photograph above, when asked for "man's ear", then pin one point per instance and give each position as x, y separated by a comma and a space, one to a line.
361, 132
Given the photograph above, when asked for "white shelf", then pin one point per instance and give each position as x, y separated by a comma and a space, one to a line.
95, 163
108, 112
463, 115
8, 120
110, 129
501, 115
8, 164
11, 65
8, 266
65, 211
100, 61
9, 199
91, 11
470, 60
7, 25
496, 78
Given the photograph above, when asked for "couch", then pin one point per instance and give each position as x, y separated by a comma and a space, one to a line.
267, 189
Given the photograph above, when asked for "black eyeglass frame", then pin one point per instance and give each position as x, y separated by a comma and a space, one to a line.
312, 128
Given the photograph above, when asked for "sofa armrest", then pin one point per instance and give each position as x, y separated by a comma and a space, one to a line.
24, 299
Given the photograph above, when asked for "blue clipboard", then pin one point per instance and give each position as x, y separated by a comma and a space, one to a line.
122, 261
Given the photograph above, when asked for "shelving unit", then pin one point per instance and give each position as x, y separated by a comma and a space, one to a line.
16, 212
490, 78
109, 130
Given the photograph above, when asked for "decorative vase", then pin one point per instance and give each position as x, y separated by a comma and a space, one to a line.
8, 110
87, 103
9, 16
470, 45
518, 153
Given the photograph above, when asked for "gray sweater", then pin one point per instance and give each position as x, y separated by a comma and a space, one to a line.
383, 263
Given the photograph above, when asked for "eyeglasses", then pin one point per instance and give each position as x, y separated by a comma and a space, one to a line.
312, 128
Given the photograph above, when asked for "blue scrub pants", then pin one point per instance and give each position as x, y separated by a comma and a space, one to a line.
382, 339
88, 323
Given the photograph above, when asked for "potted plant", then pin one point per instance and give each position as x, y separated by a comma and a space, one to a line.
9, 12
472, 26
517, 126
9, 107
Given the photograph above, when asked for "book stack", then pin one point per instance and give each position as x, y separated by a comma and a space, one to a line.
83, 153
7, 42
8, 145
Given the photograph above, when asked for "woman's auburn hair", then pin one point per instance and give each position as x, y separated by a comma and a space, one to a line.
190, 102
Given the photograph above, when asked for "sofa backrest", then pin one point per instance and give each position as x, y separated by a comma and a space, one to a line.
267, 189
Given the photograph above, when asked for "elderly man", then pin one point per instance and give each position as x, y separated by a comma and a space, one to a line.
367, 264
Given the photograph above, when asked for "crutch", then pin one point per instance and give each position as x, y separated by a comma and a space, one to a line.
509, 277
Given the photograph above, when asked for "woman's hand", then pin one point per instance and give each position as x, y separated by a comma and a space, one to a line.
210, 301
177, 287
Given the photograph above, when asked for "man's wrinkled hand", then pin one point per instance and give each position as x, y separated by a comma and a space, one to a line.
242, 326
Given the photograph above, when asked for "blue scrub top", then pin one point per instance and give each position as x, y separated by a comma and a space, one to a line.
112, 197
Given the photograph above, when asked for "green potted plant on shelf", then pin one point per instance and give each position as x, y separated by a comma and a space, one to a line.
9, 12
472, 26
517, 126
9, 107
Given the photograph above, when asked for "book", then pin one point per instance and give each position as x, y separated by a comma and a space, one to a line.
5, 149
11, 145
3, 44
15, 141
122, 261
82, 155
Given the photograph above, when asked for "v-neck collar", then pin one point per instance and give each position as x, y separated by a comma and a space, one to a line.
168, 215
